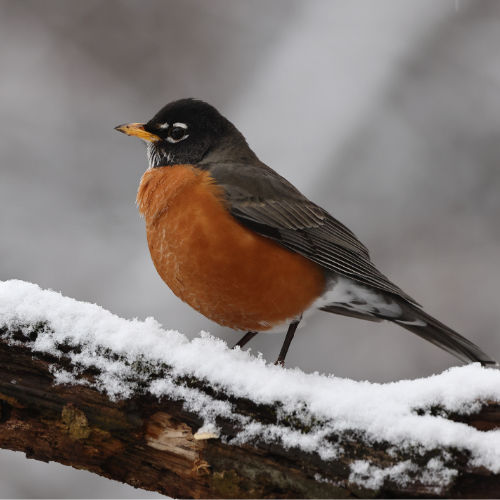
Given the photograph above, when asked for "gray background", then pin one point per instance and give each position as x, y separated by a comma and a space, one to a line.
386, 113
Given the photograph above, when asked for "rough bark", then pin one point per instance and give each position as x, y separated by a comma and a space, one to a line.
154, 444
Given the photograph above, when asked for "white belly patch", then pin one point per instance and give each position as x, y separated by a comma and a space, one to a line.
347, 293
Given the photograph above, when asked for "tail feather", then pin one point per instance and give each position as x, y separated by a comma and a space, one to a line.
419, 322
349, 298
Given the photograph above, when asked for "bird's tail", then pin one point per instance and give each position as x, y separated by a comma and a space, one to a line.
429, 328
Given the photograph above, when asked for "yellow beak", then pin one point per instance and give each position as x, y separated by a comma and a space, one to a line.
137, 129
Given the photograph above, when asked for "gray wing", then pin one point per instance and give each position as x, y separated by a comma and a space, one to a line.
265, 202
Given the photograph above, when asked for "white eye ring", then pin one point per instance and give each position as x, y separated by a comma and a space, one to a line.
178, 125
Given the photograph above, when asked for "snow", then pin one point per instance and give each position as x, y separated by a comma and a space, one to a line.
373, 477
148, 358
435, 474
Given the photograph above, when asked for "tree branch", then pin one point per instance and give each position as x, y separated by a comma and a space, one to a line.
54, 407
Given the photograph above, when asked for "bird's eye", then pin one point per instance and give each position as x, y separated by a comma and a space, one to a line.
177, 133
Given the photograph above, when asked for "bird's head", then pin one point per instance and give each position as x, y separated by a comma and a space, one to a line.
186, 132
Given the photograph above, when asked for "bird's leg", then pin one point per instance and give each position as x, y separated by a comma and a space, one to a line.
245, 339
286, 344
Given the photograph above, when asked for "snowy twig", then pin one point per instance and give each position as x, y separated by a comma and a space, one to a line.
130, 401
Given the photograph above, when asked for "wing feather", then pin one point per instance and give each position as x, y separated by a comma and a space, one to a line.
262, 200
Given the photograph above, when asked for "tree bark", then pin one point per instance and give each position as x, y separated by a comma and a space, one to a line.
153, 444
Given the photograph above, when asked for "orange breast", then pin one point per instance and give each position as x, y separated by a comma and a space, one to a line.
223, 270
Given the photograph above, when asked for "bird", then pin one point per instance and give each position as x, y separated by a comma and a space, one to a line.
244, 247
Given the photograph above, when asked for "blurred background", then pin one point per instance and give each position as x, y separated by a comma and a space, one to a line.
394, 107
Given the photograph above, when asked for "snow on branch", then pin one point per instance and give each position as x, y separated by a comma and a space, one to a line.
139, 404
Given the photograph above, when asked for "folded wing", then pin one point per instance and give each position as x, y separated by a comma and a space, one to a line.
265, 202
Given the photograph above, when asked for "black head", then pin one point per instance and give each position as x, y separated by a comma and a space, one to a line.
185, 132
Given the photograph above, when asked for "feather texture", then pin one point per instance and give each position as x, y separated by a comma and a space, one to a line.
265, 202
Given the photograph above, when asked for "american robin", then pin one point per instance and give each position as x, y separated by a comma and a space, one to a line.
245, 248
